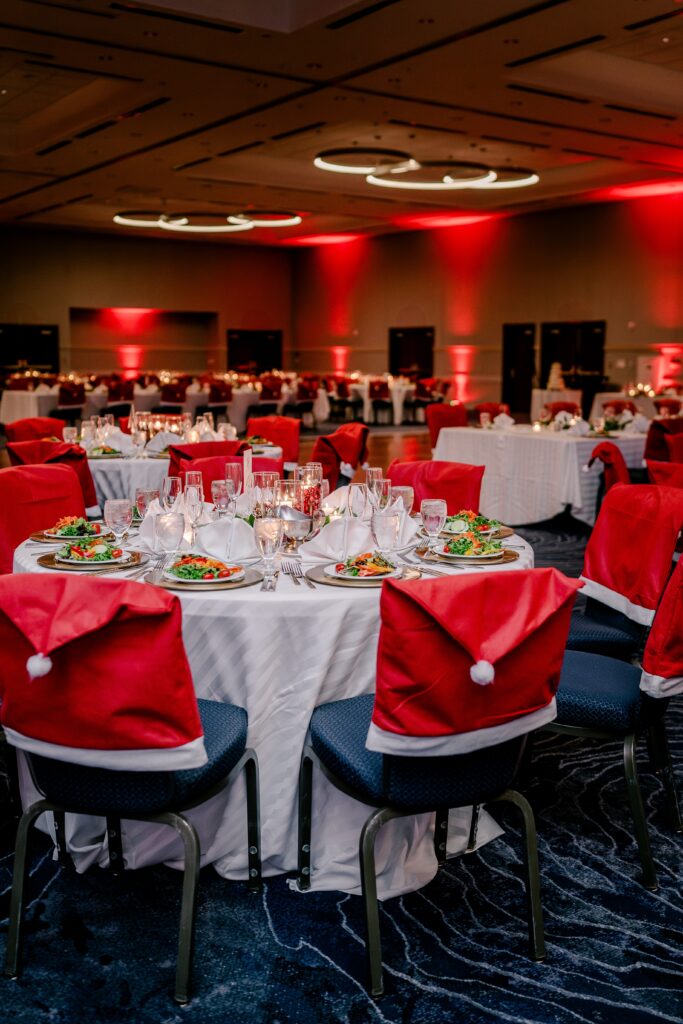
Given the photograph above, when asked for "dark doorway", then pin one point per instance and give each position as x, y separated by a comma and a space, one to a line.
254, 351
33, 345
518, 366
579, 346
411, 351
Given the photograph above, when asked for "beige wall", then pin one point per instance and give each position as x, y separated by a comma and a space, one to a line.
619, 262
45, 274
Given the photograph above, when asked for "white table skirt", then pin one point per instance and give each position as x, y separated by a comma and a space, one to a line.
120, 478
539, 398
21, 405
531, 476
397, 393
642, 403
280, 655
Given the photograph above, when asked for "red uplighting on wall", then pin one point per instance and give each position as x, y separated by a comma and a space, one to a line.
466, 252
128, 319
641, 190
461, 359
670, 366
340, 358
322, 240
130, 360
431, 221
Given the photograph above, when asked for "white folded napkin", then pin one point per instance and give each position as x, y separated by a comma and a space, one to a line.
43, 389
562, 420
101, 389
147, 540
336, 499
580, 428
121, 442
193, 389
502, 421
638, 424
626, 416
339, 539
162, 440
223, 535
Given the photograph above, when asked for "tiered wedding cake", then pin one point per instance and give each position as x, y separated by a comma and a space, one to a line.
555, 379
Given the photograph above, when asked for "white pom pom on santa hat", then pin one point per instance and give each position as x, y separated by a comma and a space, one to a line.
38, 665
483, 673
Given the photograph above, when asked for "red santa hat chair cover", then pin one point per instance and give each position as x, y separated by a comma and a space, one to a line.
456, 482
214, 469
670, 474
94, 672
674, 442
466, 663
655, 442
571, 407
181, 454
33, 498
663, 657
342, 451
440, 415
283, 431
34, 428
616, 470
628, 556
32, 453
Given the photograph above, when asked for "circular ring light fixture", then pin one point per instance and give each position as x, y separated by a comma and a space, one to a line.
183, 222
434, 175
358, 160
141, 218
508, 177
266, 218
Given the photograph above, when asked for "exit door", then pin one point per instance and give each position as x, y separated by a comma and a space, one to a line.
518, 366
411, 352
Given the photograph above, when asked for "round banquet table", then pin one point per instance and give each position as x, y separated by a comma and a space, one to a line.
533, 475
21, 405
279, 655
120, 478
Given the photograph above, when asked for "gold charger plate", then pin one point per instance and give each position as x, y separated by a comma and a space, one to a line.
40, 538
49, 561
507, 557
501, 533
317, 575
251, 578
94, 458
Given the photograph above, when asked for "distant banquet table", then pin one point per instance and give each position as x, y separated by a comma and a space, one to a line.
540, 397
533, 475
21, 405
120, 478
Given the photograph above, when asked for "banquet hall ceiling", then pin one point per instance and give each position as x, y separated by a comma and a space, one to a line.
221, 105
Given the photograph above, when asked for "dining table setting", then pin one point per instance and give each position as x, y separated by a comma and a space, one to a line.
280, 582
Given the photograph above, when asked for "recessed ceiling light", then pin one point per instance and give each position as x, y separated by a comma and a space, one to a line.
434, 175
138, 218
361, 160
266, 218
508, 177
192, 223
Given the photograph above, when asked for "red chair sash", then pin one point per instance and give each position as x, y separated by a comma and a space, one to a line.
492, 408
555, 407
439, 416
33, 498
120, 391
29, 453
94, 672
616, 470
464, 663
283, 431
219, 392
379, 389
457, 483
34, 428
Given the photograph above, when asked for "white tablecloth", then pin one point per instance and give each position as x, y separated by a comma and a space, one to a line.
119, 478
531, 476
279, 655
642, 403
539, 398
398, 391
20, 405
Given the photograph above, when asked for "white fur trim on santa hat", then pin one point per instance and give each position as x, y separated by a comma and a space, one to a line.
153, 759
661, 686
38, 665
613, 599
482, 673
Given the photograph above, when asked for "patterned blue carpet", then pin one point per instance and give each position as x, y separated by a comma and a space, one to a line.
101, 949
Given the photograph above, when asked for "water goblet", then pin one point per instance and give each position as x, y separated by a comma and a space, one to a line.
433, 512
169, 528
193, 478
233, 478
385, 526
221, 497
70, 435
118, 515
194, 506
171, 489
265, 488
268, 533
143, 499
407, 496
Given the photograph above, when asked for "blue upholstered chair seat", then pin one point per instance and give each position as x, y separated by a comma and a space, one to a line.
599, 693
600, 630
338, 732
119, 793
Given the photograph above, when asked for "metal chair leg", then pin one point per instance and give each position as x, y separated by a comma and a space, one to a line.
659, 747
304, 826
441, 835
368, 879
16, 907
188, 907
532, 880
638, 812
115, 845
253, 822
63, 858
474, 825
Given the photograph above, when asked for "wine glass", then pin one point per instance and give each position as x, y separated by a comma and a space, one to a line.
385, 526
379, 494
233, 478
194, 478
407, 496
485, 419
70, 435
265, 490
109, 422
268, 532
171, 490
143, 499
433, 512
297, 525
356, 500
373, 473
194, 506
221, 497
169, 528
118, 515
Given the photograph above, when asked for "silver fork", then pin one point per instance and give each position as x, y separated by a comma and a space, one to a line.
289, 570
299, 574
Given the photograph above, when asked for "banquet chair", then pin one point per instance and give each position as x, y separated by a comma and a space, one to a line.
425, 395
603, 698
444, 415
213, 468
120, 394
668, 406
619, 405
341, 452
670, 474
655, 443
457, 483
380, 400
34, 428
283, 431
180, 455
674, 443
33, 498
306, 394
627, 563
70, 403
342, 402
32, 453
220, 393
615, 470
437, 735
140, 752
172, 399
493, 409
570, 407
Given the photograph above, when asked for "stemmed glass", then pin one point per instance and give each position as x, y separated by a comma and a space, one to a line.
356, 500
193, 478
269, 532
169, 528
143, 499
70, 435
265, 493
118, 515
171, 490
233, 479
290, 496
385, 526
379, 494
407, 496
221, 497
194, 506
433, 512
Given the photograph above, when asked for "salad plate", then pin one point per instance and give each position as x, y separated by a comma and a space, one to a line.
92, 553
128, 560
194, 568
103, 451
367, 567
75, 528
249, 578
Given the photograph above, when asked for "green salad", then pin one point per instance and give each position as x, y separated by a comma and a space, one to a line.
471, 544
90, 551
75, 526
474, 521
